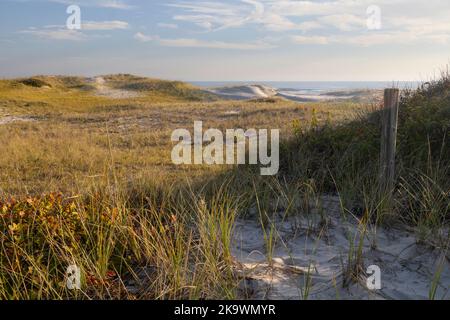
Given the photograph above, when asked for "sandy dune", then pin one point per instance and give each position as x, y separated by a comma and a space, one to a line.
245, 92
292, 95
105, 91
258, 91
321, 246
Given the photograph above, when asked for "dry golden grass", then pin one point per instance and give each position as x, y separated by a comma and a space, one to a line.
76, 136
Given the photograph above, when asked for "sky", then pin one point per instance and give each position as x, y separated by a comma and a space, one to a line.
228, 40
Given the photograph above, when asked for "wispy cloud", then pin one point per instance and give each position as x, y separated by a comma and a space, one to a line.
168, 25
60, 32
310, 40
343, 22
56, 34
143, 38
104, 25
374, 39
112, 4
196, 43
308, 21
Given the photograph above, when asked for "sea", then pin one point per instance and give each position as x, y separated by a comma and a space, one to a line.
313, 87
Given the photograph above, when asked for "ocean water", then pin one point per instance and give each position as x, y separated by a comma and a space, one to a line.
313, 87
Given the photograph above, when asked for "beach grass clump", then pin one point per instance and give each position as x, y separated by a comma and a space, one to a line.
34, 82
44, 235
175, 245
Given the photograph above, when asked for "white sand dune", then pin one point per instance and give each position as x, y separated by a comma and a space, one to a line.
309, 243
243, 92
295, 96
258, 91
104, 91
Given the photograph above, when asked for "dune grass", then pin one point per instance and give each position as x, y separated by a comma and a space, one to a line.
168, 247
345, 158
90, 183
65, 148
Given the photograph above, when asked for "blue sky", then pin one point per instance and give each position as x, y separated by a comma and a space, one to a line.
278, 40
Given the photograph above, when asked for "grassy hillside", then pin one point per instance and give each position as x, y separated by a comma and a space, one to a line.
65, 133
57, 94
148, 86
89, 182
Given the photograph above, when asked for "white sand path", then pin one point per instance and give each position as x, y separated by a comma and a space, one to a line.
303, 244
104, 90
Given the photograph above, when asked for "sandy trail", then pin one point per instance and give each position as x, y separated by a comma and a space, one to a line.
310, 245
11, 119
104, 91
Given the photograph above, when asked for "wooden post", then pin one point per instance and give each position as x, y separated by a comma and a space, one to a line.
389, 119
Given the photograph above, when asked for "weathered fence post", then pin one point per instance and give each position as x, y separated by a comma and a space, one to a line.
389, 119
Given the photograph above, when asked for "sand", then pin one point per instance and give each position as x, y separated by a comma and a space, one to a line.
259, 91
309, 244
294, 96
244, 92
104, 91
10, 119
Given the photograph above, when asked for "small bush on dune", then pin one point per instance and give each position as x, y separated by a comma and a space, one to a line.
42, 236
34, 82
267, 100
